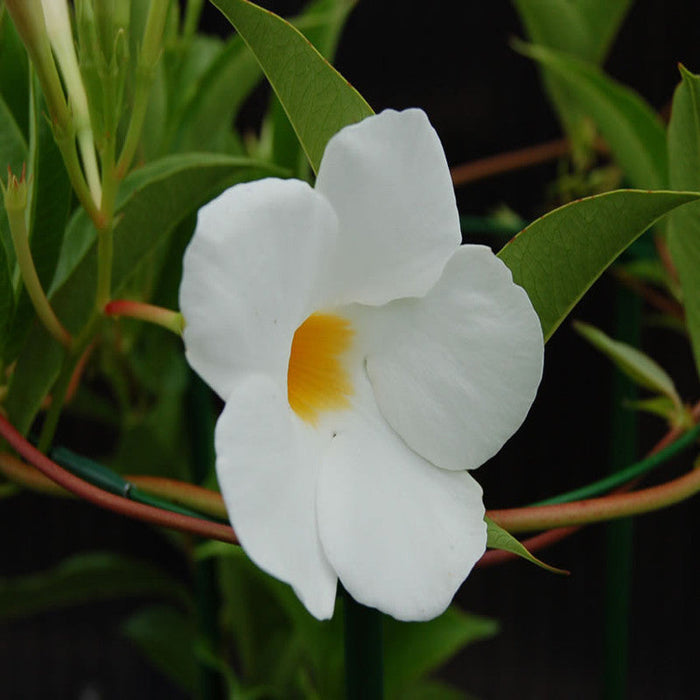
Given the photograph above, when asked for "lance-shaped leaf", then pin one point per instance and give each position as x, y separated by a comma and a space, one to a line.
7, 297
85, 578
585, 30
159, 196
558, 257
498, 538
684, 225
633, 131
414, 649
638, 366
167, 638
317, 99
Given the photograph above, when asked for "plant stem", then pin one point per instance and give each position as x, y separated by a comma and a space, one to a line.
193, 11
509, 161
619, 535
145, 70
171, 320
363, 651
201, 428
25, 262
596, 510
58, 396
628, 474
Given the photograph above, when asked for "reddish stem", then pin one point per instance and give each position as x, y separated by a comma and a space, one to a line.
109, 501
550, 537
506, 162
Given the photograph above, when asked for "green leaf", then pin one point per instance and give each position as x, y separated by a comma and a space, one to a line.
7, 299
684, 225
676, 416
414, 649
638, 366
498, 538
167, 638
584, 29
558, 257
321, 23
432, 690
317, 99
85, 578
633, 131
14, 74
157, 197
214, 99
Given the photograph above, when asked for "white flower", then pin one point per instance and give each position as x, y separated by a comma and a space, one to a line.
366, 360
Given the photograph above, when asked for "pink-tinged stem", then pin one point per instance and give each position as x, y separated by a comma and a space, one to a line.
172, 320
104, 499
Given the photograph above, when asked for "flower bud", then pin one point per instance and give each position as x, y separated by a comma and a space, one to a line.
15, 192
28, 18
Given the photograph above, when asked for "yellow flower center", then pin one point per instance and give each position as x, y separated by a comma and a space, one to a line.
316, 378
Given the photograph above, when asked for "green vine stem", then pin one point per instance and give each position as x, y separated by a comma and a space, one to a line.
627, 474
15, 196
58, 397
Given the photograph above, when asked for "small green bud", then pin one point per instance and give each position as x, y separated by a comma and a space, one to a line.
15, 192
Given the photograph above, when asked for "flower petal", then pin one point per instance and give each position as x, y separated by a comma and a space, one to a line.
250, 276
455, 373
267, 465
401, 534
388, 181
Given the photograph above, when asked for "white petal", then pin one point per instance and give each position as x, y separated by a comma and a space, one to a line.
388, 181
456, 372
267, 465
250, 275
401, 534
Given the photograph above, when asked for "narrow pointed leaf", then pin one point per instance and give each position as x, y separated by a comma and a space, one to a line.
498, 538
684, 225
633, 131
321, 23
414, 649
14, 73
7, 299
558, 257
317, 99
167, 638
638, 366
584, 29
85, 578
214, 100
662, 406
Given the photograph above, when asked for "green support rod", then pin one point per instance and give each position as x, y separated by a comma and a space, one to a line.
364, 675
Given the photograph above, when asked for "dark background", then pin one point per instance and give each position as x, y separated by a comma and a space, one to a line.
453, 59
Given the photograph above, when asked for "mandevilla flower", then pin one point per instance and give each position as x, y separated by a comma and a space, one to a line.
367, 360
